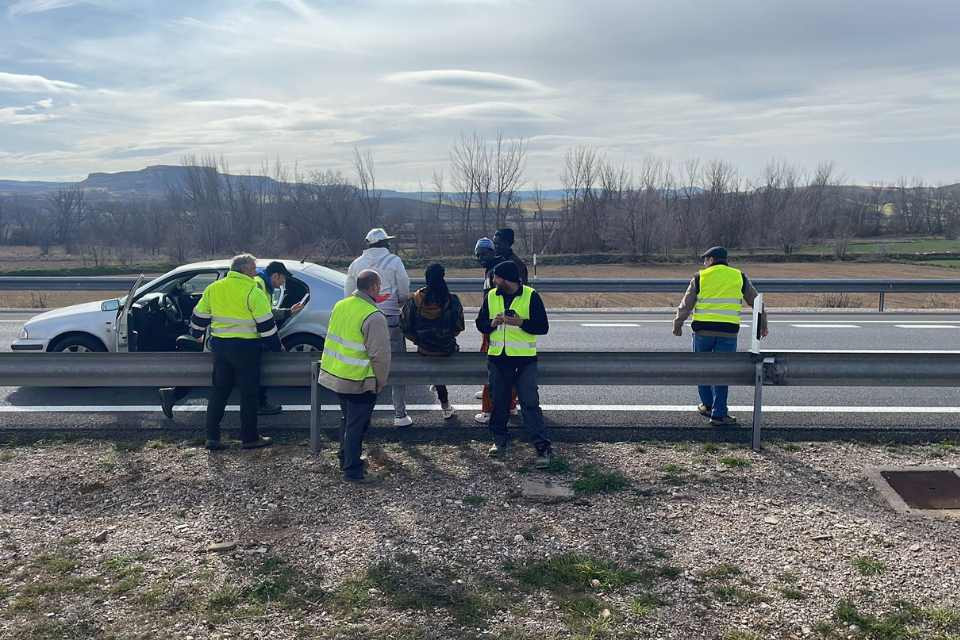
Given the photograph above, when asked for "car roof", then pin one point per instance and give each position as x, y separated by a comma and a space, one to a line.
294, 266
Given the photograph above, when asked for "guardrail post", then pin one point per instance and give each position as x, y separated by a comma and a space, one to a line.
758, 399
315, 406
881, 302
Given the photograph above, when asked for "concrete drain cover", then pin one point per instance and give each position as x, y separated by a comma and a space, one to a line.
922, 490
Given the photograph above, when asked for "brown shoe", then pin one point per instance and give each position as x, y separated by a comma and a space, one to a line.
703, 410
725, 421
262, 441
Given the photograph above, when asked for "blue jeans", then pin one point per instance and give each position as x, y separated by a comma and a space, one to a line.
505, 374
714, 397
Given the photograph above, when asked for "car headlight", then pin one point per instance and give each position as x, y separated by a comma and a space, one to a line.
24, 334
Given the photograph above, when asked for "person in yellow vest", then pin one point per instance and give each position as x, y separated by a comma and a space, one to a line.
238, 315
715, 298
355, 365
513, 315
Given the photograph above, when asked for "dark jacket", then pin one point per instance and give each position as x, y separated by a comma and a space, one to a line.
432, 327
280, 314
514, 258
537, 324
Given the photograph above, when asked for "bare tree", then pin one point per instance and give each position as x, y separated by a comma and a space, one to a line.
368, 194
508, 166
68, 208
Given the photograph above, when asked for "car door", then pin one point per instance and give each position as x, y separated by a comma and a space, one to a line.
123, 340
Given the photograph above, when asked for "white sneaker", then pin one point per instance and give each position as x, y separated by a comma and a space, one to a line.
515, 411
432, 388
405, 421
448, 411
482, 418
478, 395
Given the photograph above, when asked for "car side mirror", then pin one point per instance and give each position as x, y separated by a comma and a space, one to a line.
110, 305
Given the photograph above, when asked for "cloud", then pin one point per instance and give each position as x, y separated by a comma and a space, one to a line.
22, 115
20, 83
502, 112
25, 7
459, 79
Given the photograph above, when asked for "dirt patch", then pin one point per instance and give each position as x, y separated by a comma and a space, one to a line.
790, 542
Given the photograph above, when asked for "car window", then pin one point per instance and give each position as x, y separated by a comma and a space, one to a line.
199, 282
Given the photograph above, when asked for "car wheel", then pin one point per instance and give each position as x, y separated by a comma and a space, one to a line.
77, 344
303, 342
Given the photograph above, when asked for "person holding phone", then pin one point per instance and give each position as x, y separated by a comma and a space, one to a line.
513, 315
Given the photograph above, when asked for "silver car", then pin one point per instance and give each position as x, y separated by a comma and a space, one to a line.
153, 315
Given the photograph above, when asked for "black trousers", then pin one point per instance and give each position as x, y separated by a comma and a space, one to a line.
505, 374
236, 363
356, 409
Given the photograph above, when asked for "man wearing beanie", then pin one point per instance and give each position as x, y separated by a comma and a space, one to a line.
513, 316
503, 244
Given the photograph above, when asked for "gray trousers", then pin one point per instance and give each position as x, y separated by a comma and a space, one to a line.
398, 344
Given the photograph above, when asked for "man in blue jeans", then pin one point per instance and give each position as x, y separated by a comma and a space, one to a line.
715, 298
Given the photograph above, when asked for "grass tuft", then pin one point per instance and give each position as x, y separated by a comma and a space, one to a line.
735, 462
867, 566
592, 479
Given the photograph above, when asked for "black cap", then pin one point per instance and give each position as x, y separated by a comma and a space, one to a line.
277, 267
506, 234
719, 253
507, 270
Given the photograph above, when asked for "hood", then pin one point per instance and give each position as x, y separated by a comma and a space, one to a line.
73, 310
429, 310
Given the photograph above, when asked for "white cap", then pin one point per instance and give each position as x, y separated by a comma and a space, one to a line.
378, 235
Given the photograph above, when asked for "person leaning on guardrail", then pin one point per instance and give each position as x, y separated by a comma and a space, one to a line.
355, 365
715, 298
513, 316
239, 317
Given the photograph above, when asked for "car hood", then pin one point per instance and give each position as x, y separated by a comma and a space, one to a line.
73, 310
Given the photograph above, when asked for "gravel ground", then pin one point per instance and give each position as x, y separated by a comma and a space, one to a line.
688, 540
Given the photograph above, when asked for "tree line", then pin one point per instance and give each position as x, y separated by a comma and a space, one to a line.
645, 210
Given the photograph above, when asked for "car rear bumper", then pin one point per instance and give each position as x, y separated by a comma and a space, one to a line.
29, 345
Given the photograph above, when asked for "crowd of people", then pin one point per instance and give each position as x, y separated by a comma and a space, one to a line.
378, 315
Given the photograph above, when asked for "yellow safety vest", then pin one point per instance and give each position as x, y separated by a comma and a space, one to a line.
344, 352
235, 305
515, 340
720, 298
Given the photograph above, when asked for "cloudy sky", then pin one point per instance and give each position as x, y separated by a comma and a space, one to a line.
108, 85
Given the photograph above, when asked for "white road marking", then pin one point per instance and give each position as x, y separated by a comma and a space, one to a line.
593, 408
609, 324
825, 326
925, 326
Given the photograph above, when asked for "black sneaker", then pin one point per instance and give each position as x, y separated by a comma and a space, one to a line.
262, 441
725, 421
166, 401
215, 445
267, 409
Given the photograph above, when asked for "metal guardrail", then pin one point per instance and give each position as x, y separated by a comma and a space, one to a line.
770, 368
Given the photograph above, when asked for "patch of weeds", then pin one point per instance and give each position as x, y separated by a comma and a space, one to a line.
25, 604
275, 580
674, 474
225, 598
942, 618
58, 630
7, 456
592, 479
789, 577
824, 629
158, 444
125, 571
574, 572
734, 462
474, 501
867, 566
530, 534
410, 585
722, 571
893, 625
737, 595
351, 595
108, 461
57, 562
644, 604
791, 446
711, 447
792, 593
164, 596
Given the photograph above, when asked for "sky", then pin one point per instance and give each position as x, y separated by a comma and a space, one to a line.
109, 85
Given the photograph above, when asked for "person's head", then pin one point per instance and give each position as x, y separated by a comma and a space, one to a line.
714, 255
368, 282
485, 252
245, 264
437, 290
378, 238
503, 241
277, 273
506, 277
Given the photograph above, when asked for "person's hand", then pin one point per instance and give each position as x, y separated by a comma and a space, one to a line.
295, 309
764, 332
678, 330
497, 320
513, 321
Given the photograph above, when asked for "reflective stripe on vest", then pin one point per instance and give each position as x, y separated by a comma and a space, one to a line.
344, 353
236, 304
514, 340
720, 298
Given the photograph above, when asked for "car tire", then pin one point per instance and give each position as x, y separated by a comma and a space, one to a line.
303, 342
77, 343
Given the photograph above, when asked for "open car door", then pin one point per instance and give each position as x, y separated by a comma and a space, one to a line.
123, 316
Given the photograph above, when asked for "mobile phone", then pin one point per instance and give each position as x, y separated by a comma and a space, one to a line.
305, 299
510, 313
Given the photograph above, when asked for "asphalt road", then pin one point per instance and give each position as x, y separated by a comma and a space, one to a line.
586, 406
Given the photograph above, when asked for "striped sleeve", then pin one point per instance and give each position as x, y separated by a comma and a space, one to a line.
259, 306
200, 320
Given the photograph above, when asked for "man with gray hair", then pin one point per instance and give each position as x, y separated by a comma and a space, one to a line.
355, 365
238, 315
